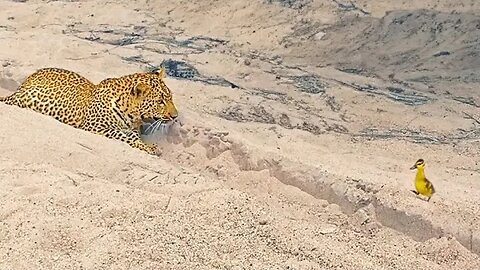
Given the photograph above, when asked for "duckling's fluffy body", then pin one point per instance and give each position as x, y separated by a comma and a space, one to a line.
422, 184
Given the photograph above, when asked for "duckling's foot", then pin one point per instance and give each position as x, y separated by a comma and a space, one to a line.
414, 191
429, 199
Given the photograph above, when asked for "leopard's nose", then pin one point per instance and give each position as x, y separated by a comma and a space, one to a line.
173, 112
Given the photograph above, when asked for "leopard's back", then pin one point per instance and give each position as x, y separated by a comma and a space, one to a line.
62, 94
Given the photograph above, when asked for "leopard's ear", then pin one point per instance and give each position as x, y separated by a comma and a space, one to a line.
162, 73
140, 91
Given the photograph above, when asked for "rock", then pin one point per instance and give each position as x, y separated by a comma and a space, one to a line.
319, 35
327, 229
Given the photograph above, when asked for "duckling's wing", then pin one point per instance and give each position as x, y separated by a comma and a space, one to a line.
429, 185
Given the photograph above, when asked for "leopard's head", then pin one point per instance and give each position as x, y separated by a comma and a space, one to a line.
158, 105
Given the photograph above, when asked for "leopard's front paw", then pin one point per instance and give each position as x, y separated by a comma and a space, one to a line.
152, 149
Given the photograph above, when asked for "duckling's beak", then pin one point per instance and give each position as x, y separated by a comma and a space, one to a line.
413, 167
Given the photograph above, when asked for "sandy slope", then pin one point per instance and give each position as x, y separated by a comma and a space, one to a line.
292, 149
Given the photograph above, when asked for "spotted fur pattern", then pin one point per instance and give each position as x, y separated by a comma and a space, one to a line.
114, 108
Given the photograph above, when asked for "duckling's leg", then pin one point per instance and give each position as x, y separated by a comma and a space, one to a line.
414, 191
428, 199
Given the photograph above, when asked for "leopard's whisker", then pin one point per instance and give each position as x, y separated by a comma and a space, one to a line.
154, 126
166, 127
159, 125
162, 128
146, 131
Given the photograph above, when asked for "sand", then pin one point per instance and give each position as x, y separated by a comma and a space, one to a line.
299, 121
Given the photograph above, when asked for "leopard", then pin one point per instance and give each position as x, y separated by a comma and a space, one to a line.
115, 107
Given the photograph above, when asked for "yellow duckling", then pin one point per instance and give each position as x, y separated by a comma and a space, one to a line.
422, 185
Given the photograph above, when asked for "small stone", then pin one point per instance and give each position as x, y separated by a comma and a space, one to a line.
319, 35
263, 222
327, 229
246, 62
